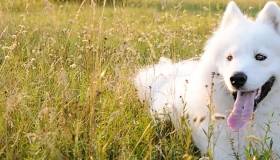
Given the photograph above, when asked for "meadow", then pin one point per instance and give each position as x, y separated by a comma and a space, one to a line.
66, 71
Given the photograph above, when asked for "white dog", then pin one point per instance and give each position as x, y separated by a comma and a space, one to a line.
231, 96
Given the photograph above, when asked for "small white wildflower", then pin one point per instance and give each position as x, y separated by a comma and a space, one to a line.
7, 57
205, 8
73, 65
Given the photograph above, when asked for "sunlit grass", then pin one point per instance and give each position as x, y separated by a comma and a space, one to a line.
66, 70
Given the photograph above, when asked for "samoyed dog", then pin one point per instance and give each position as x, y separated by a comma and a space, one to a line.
231, 94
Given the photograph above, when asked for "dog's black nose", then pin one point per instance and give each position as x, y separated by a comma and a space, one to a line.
238, 80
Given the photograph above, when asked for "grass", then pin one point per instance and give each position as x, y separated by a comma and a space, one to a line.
66, 70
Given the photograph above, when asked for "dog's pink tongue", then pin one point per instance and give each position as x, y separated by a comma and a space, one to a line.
242, 110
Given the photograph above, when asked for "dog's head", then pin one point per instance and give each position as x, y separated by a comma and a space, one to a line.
247, 55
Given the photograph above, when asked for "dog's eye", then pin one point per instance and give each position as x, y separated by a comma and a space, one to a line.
260, 57
229, 57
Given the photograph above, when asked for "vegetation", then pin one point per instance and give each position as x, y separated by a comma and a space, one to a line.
66, 71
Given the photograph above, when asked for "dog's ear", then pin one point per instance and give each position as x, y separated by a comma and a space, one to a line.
231, 15
270, 15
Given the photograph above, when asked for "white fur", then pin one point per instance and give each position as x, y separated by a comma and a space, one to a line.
165, 88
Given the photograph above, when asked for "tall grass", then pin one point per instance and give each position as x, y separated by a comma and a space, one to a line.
66, 71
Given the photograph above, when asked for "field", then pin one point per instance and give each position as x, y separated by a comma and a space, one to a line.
66, 72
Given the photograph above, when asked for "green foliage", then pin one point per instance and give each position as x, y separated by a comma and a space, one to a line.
66, 68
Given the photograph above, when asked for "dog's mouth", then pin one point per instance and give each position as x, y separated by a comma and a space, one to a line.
246, 103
